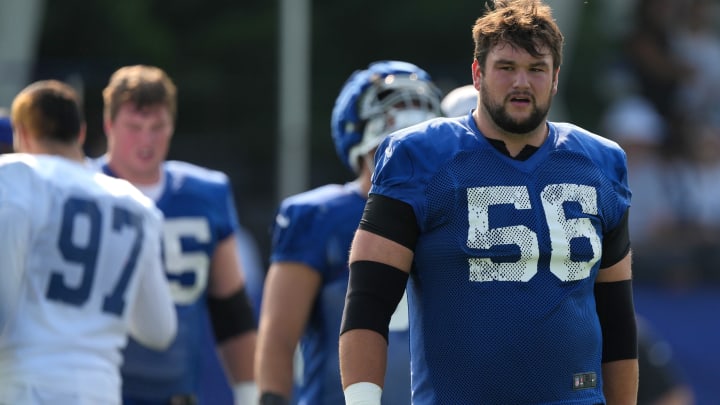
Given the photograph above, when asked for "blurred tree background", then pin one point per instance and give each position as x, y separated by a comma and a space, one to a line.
223, 56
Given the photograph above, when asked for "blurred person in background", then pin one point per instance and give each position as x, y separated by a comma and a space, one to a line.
215, 388
306, 284
651, 55
697, 44
652, 59
659, 255
633, 122
6, 132
661, 383
697, 178
199, 240
511, 234
459, 101
81, 262
675, 223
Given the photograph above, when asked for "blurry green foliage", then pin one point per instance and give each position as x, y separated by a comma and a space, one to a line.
223, 55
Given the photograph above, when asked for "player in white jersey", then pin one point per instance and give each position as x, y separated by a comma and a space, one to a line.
80, 262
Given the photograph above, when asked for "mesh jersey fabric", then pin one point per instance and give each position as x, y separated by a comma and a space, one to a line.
316, 228
501, 289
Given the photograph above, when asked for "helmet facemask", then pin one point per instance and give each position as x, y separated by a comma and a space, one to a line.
391, 103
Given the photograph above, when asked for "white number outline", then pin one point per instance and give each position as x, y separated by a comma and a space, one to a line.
562, 231
178, 262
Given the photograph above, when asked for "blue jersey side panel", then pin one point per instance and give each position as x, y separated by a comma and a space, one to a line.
215, 388
501, 289
316, 228
199, 213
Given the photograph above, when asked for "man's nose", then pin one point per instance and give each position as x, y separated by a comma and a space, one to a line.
521, 79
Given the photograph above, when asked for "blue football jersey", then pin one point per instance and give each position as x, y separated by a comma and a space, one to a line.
199, 212
215, 388
501, 287
316, 228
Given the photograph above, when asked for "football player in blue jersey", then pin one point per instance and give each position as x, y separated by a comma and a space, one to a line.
512, 231
215, 389
199, 245
306, 283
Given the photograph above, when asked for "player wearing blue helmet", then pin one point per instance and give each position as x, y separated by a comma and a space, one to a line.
6, 132
307, 280
513, 234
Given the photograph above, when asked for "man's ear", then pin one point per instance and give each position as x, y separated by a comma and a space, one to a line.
476, 74
107, 123
82, 134
19, 135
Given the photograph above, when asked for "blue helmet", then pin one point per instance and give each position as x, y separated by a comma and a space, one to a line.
385, 97
6, 131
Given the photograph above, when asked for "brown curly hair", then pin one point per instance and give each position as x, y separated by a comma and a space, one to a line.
524, 24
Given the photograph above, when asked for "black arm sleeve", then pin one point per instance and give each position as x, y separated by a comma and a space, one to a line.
392, 219
271, 398
374, 291
616, 312
231, 316
616, 243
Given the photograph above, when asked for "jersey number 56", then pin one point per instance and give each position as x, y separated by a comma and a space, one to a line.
562, 231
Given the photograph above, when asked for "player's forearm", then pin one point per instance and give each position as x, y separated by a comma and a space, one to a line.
363, 357
153, 320
237, 354
274, 368
620, 380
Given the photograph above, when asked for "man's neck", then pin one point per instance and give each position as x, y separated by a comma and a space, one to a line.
141, 180
515, 144
70, 152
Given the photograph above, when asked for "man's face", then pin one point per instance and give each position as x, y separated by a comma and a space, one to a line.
516, 89
138, 142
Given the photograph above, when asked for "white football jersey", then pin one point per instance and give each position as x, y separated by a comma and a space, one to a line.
80, 268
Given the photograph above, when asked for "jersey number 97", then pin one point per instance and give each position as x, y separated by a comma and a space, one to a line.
85, 253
